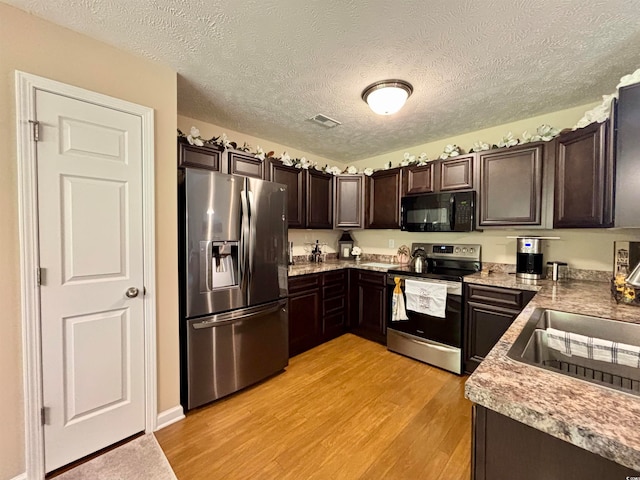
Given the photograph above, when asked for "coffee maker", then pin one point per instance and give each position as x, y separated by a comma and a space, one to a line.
529, 263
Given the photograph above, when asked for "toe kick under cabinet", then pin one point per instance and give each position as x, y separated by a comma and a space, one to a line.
490, 311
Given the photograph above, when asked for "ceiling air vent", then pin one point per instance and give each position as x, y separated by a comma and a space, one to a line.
325, 121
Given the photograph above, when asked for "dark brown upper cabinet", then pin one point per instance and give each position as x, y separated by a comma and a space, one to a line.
383, 191
510, 187
293, 178
418, 179
349, 206
319, 199
584, 178
246, 164
456, 173
453, 174
309, 195
208, 156
627, 153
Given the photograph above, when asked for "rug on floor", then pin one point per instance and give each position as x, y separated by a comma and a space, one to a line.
140, 459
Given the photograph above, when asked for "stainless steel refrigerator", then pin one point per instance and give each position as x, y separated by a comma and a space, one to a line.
233, 283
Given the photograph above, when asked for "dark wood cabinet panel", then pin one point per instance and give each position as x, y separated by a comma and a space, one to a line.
627, 213
383, 193
368, 315
349, 205
489, 312
318, 309
583, 180
335, 287
456, 173
293, 178
207, 157
319, 199
304, 313
504, 449
511, 186
486, 324
246, 164
418, 179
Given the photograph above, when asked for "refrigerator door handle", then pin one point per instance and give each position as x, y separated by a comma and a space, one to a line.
252, 233
244, 242
231, 317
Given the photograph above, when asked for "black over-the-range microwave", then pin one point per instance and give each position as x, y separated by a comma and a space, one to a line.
439, 212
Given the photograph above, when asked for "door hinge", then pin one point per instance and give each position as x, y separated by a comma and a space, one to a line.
40, 276
45, 413
35, 130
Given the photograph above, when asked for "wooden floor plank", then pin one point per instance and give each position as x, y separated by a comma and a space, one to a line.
348, 409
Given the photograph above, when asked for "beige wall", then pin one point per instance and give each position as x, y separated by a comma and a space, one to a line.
34, 46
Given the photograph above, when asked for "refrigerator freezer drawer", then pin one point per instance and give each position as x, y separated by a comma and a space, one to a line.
228, 352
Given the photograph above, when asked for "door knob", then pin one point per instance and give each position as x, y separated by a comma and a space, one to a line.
131, 292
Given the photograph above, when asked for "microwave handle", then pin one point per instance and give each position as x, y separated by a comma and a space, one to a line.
452, 212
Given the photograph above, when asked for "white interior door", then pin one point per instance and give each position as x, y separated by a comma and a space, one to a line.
89, 162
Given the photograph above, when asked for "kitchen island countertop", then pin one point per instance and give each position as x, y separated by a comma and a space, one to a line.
598, 419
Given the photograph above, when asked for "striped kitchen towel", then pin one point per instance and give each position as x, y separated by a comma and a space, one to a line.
570, 343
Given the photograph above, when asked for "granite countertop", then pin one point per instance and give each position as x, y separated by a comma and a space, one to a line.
598, 419
311, 267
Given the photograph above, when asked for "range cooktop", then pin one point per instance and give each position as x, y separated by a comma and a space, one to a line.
441, 261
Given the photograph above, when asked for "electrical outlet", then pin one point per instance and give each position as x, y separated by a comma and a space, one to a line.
392, 243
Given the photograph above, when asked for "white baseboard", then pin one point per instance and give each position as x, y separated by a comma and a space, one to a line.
170, 416
22, 476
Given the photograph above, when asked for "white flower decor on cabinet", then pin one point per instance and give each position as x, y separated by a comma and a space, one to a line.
352, 170
194, 137
408, 159
450, 151
508, 141
260, 155
480, 146
544, 133
368, 171
422, 159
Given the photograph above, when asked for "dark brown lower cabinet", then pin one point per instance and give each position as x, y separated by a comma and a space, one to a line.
304, 313
317, 309
490, 311
368, 315
504, 449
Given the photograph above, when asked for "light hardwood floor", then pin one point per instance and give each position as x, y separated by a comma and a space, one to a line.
348, 409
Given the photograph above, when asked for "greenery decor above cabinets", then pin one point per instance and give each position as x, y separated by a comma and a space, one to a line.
513, 190
383, 190
453, 174
208, 157
584, 178
309, 195
349, 206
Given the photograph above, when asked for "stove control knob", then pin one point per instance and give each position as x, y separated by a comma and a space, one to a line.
464, 250
471, 250
457, 249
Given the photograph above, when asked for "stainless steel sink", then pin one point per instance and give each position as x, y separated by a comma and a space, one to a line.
531, 347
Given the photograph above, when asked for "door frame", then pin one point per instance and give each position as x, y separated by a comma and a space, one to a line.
26, 86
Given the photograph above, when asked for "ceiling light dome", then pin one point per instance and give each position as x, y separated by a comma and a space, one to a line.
387, 96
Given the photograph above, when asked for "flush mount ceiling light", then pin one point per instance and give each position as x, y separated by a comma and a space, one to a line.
387, 96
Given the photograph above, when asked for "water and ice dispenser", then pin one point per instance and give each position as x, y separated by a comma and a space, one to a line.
219, 262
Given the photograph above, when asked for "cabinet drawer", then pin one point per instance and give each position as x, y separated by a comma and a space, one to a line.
335, 290
501, 297
304, 282
372, 277
338, 276
334, 305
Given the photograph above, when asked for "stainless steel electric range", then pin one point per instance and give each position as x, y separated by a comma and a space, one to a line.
434, 276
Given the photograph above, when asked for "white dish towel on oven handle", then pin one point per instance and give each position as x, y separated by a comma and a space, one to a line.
398, 312
425, 297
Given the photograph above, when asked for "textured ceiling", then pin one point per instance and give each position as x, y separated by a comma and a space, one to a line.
264, 67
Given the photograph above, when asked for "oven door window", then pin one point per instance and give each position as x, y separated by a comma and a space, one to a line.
446, 330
